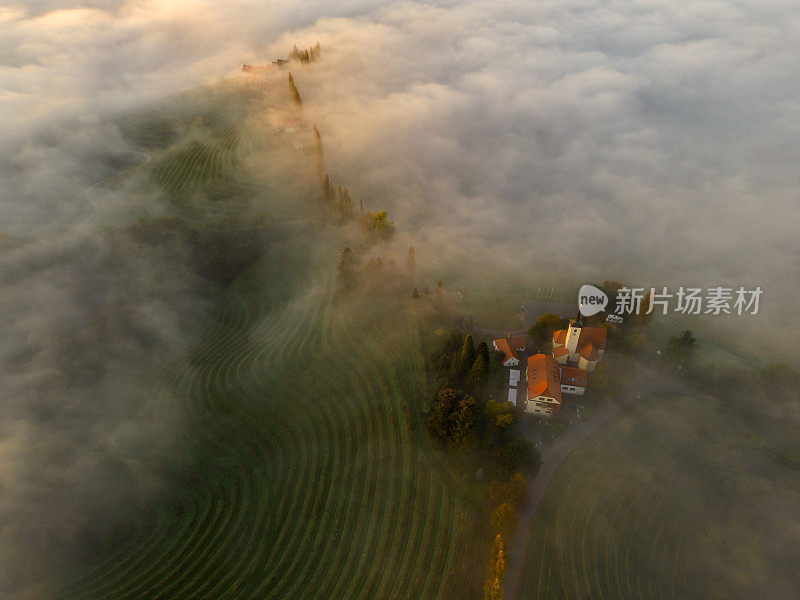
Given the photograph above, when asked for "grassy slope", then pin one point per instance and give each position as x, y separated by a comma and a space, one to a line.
312, 477
678, 499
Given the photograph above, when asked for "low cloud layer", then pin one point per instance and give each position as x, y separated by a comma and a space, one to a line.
557, 142
640, 142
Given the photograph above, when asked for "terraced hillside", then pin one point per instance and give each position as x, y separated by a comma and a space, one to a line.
208, 162
678, 499
311, 476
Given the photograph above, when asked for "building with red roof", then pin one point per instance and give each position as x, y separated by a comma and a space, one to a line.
544, 386
511, 346
573, 380
579, 346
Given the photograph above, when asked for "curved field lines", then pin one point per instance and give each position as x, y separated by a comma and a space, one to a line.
209, 163
609, 526
203, 162
311, 477
678, 499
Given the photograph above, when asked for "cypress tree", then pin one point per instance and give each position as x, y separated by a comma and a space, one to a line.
345, 270
477, 374
318, 148
483, 350
294, 91
467, 354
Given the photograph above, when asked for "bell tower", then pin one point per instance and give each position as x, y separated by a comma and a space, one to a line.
573, 335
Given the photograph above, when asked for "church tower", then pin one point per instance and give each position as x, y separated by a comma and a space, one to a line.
573, 335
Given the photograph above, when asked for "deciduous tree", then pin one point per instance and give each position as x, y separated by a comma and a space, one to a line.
505, 518
496, 573
542, 330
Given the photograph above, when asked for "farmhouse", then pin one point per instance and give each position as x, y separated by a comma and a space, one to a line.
544, 386
510, 347
579, 346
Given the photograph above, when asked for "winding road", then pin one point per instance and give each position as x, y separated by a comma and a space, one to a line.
647, 381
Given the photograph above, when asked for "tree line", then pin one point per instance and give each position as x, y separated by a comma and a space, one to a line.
307, 55
465, 417
339, 203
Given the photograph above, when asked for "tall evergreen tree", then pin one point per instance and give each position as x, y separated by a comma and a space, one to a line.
483, 350
345, 270
318, 148
294, 91
467, 354
477, 373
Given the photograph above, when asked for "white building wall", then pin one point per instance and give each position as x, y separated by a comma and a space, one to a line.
573, 389
573, 335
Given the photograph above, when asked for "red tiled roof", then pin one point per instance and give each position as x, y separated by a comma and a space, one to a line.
560, 351
588, 351
573, 376
508, 351
543, 377
595, 335
591, 342
518, 342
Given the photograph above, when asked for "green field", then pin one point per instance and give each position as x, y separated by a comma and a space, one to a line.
310, 473
679, 498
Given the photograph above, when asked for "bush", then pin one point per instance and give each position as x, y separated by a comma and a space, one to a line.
517, 455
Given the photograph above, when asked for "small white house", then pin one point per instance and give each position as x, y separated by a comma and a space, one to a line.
510, 346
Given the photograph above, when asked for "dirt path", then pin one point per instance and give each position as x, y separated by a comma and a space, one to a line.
552, 457
647, 381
